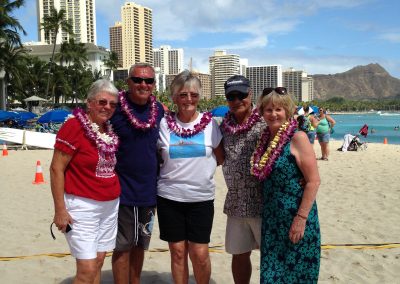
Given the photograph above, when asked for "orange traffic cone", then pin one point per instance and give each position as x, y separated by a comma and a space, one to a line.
39, 174
5, 151
385, 141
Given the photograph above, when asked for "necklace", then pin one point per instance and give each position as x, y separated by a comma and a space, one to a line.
269, 150
136, 123
185, 132
106, 142
230, 126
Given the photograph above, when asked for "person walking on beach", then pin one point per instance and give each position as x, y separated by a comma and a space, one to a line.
136, 121
190, 149
324, 128
285, 161
307, 123
241, 128
84, 185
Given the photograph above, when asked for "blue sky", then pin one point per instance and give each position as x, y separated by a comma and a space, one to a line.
317, 36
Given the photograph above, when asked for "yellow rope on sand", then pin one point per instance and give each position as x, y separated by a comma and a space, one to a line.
217, 249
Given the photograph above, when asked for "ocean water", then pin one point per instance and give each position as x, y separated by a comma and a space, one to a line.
383, 123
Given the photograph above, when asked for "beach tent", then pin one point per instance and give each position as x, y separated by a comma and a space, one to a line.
35, 99
313, 109
55, 115
220, 111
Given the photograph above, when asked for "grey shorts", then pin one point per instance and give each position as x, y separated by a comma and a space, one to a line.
242, 234
135, 225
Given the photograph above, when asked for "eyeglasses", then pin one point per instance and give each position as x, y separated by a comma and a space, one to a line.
67, 229
104, 102
139, 80
185, 96
279, 90
236, 95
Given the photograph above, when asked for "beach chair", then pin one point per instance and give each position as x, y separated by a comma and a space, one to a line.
352, 143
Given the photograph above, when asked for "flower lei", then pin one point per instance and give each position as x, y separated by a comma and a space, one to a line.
263, 160
136, 123
106, 142
185, 132
230, 126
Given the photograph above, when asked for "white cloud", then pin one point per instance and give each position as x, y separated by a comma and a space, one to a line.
392, 37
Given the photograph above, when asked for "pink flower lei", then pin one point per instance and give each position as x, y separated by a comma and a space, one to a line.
136, 123
269, 150
184, 132
106, 142
230, 126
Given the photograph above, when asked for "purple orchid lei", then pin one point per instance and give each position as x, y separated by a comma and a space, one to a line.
106, 142
136, 123
184, 132
269, 150
230, 126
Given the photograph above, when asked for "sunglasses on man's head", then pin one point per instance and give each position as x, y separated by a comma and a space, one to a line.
104, 102
278, 90
236, 95
139, 80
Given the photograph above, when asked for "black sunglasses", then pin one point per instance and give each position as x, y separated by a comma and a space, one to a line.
51, 230
139, 80
236, 95
280, 90
104, 102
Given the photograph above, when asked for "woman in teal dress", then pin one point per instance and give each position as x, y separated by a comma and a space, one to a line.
285, 160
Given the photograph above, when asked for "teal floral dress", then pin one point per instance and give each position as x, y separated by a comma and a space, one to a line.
281, 260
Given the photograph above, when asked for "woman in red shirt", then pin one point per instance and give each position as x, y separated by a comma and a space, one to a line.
84, 185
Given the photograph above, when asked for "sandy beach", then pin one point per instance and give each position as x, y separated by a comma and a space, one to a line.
358, 203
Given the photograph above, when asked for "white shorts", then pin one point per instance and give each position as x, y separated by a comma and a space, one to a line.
94, 227
242, 234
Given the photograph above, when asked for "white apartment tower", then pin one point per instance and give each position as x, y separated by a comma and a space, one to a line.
262, 77
81, 14
222, 66
299, 84
170, 61
137, 34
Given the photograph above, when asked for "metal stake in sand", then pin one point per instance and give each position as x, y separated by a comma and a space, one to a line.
39, 174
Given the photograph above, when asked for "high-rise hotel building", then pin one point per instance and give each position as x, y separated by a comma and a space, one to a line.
81, 14
299, 84
116, 41
222, 66
262, 77
137, 34
169, 60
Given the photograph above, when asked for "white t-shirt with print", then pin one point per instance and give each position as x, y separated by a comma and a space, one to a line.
187, 173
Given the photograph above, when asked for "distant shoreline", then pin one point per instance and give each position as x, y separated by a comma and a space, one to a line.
362, 112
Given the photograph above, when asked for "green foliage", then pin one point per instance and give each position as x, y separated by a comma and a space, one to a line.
343, 105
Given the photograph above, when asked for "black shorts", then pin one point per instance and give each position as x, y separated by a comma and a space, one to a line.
180, 221
135, 225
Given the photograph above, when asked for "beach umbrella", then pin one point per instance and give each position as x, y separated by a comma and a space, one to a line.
34, 99
6, 115
26, 115
55, 115
220, 111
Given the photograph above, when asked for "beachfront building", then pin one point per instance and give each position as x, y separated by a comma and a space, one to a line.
299, 84
95, 54
116, 41
169, 60
80, 13
137, 34
222, 66
205, 80
262, 77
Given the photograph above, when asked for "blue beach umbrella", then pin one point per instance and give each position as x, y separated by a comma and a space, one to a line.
26, 115
5, 115
55, 115
220, 111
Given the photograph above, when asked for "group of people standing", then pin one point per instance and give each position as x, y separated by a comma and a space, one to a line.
123, 157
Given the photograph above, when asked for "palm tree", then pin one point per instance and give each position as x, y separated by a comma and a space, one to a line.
72, 53
9, 26
52, 24
111, 62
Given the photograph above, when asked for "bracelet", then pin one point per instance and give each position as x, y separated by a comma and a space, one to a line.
301, 216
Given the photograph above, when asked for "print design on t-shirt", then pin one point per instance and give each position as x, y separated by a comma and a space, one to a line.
189, 147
